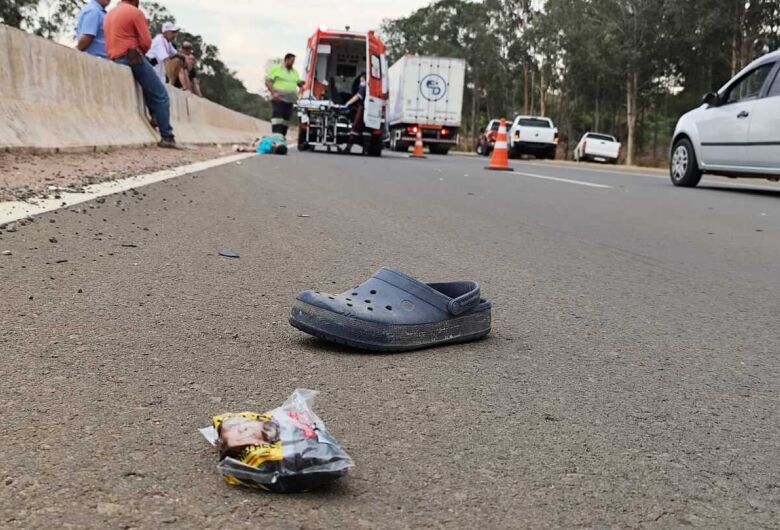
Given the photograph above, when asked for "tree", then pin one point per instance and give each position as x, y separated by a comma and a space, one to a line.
17, 13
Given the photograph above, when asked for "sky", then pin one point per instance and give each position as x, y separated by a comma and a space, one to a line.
251, 32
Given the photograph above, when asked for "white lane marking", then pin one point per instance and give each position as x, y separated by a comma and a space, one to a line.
708, 180
567, 181
16, 210
603, 172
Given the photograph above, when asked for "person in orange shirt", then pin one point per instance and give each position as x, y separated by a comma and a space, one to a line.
127, 40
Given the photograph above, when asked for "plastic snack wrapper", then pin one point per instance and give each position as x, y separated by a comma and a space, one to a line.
285, 450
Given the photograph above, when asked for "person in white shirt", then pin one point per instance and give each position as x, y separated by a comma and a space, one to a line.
163, 51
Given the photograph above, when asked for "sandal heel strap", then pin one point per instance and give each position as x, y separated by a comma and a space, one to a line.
466, 302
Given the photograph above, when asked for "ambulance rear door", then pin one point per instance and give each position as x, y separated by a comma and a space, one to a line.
376, 93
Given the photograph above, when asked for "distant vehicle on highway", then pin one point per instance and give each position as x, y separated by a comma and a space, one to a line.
735, 132
487, 138
426, 95
533, 135
597, 147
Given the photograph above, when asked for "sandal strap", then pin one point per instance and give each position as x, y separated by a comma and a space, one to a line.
429, 293
465, 302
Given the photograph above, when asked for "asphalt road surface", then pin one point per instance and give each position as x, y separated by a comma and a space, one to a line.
631, 379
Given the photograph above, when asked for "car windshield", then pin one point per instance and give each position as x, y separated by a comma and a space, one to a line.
601, 137
534, 122
495, 126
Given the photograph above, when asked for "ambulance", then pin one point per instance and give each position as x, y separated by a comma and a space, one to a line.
333, 64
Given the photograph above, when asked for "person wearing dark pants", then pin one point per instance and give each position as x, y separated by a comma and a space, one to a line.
282, 81
127, 40
281, 114
357, 105
155, 96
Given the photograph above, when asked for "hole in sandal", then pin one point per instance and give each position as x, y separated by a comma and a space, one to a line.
389, 308
373, 291
349, 305
354, 294
367, 301
330, 297
370, 308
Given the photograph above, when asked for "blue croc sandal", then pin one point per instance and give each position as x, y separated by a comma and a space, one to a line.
394, 312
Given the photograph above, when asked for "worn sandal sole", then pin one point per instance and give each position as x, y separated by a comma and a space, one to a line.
356, 333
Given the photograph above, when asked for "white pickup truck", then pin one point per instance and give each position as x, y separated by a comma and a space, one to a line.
533, 135
598, 148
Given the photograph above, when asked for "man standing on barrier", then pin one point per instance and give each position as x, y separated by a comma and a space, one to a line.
282, 81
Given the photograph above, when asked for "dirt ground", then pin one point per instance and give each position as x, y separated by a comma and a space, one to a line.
25, 175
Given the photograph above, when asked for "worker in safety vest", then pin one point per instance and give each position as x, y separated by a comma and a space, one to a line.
282, 82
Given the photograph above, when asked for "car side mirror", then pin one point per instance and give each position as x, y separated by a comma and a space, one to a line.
712, 99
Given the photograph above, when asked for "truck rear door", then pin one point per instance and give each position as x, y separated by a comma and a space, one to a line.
440, 90
377, 82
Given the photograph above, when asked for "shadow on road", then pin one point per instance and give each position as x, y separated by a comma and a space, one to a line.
323, 346
744, 191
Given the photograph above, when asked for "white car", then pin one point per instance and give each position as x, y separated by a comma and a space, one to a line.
736, 131
598, 148
533, 135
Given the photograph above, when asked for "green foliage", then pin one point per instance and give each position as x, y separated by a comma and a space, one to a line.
217, 81
17, 13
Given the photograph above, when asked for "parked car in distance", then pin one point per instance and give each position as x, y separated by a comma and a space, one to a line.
487, 138
736, 130
597, 147
533, 135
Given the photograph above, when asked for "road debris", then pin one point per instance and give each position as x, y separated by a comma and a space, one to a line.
7, 253
286, 450
227, 253
305, 216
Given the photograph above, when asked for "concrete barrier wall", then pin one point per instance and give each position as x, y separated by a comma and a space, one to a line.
54, 97
198, 120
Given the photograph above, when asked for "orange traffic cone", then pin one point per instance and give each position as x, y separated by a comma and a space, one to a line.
418, 146
500, 159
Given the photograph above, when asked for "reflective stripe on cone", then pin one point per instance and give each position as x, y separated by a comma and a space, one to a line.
418, 146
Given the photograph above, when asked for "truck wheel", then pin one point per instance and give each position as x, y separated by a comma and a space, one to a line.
515, 153
551, 153
684, 168
374, 146
402, 147
479, 149
436, 149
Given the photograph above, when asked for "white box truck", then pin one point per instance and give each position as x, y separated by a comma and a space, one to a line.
426, 94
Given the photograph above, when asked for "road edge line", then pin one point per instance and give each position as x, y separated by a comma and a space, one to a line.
12, 211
